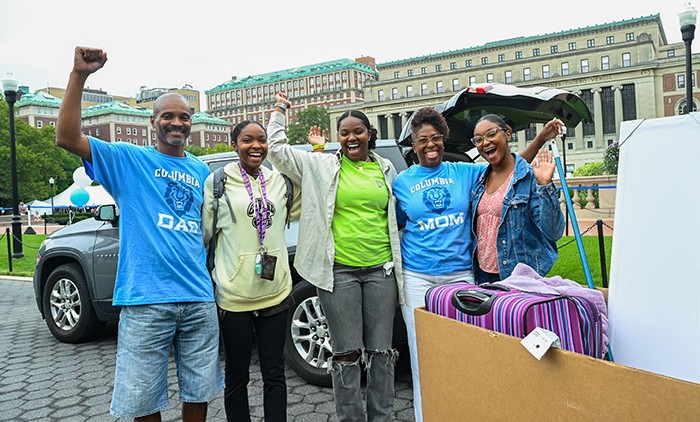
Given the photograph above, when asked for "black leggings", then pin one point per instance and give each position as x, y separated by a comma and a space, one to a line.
237, 330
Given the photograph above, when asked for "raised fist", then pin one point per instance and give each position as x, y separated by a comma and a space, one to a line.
88, 60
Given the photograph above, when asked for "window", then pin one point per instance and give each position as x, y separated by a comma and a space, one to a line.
569, 146
680, 81
671, 53
501, 57
609, 39
455, 84
380, 95
565, 69
605, 63
143, 132
588, 127
119, 130
489, 78
530, 132
468, 63
590, 43
572, 46
484, 60
629, 36
518, 54
554, 49
453, 65
438, 87
526, 74
394, 93
409, 91
423, 89
423, 70
535, 52
545, 71
509, 77
584, 66
472, 80
589, 144
607, 100
128, 131
409, 72
626, 59
438, 68
97, 131
396, 75
39, 124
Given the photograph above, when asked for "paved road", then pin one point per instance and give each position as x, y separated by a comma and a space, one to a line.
42, 379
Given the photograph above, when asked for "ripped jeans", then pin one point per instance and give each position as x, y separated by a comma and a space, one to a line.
360, 313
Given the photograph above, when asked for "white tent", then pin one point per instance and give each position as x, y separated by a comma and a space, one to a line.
98, 196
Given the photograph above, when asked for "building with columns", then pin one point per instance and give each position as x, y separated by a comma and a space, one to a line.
324, 85
623, 70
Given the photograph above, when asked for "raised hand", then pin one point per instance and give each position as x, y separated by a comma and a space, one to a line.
316, 136
281, 97
88, 60
552, 129
543, 168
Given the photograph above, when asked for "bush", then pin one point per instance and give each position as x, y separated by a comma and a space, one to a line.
591, 169
611, 158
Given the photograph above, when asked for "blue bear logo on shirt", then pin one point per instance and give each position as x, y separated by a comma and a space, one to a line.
437, 199
179, 197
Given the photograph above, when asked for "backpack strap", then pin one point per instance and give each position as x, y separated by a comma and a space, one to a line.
218, 190
290, 198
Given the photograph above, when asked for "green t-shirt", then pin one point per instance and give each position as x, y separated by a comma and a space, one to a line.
360, 222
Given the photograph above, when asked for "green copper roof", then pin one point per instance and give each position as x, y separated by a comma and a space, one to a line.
115, 107
39, 99
297, 72
518, 40
204, 117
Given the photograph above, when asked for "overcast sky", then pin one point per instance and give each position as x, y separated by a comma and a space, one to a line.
203, 43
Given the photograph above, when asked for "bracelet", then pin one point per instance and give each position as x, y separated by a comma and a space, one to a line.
281, 105
319, 146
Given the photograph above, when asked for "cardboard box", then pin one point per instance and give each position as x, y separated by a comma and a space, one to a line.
470, 373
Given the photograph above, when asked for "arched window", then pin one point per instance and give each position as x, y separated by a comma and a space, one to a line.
680, 108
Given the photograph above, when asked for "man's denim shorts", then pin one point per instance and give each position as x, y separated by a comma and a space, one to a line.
146, 335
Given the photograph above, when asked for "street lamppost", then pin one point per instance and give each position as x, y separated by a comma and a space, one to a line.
51, 182
687, 19
9, 86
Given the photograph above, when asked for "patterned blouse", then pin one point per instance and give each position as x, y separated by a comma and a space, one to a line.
488, 217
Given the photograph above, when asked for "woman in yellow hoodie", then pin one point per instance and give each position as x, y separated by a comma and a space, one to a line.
251, 271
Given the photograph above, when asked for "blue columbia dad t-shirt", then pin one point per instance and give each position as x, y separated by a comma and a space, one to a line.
161, 251
433, 205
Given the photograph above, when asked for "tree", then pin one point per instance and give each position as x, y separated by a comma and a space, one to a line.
304, 119
38, 159
591, 169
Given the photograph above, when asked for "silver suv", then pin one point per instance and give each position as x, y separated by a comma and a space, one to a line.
76, 268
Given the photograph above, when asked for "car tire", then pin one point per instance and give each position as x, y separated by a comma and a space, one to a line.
308, 347
67, 306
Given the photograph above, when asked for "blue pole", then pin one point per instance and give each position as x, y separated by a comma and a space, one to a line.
572, 215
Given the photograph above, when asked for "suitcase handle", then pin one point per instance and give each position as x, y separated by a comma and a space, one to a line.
495, 286
473, 302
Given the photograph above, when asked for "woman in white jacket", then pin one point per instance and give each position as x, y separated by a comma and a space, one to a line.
349, 249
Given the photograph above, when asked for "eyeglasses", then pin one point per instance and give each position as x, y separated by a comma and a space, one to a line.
436, 139
489, 136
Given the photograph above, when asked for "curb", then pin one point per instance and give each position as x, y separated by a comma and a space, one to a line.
15, 278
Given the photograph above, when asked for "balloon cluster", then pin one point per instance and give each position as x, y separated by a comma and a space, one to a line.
80, 196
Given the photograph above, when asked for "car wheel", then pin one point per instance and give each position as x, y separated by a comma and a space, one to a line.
308, 347
67, 306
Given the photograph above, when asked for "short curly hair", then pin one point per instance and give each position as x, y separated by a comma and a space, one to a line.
429, 116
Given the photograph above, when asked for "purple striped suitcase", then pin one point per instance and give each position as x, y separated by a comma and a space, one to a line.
496, 307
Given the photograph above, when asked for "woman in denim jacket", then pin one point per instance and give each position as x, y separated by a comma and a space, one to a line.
516, 216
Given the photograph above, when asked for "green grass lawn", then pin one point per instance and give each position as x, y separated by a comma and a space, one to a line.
569, 265
22, 266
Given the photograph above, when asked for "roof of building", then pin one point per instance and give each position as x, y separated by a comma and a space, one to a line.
204, 117
297, 72
39, 98
115, 107
524, 39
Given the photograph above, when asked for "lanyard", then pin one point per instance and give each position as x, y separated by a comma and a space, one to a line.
259, 213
